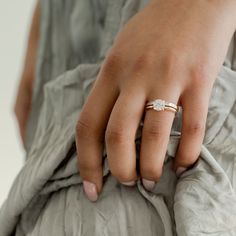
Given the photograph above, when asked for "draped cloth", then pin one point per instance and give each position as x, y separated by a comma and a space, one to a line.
47, 196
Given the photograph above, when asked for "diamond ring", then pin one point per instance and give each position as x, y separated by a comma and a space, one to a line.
161, 105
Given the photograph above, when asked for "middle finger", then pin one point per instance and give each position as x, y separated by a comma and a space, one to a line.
120, 135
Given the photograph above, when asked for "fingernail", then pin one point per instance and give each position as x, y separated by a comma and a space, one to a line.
130, 183
180, 170
148, 184
90, 190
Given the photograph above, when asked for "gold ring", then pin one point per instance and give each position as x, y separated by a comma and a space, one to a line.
161, 105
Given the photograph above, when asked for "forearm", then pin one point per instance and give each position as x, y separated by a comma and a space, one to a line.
31, 52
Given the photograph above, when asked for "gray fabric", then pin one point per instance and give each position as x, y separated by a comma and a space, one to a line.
47, 196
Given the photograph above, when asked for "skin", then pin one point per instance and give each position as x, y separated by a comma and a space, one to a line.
24, 94
171, 50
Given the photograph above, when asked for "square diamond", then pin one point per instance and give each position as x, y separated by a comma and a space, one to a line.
159, 105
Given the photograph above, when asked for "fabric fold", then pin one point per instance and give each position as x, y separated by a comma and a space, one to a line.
47, 196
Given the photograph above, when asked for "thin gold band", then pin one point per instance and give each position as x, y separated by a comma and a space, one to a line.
161, 105
166, 108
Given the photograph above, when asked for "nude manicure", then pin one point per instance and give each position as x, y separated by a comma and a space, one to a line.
180, 170
148, 184
90, 190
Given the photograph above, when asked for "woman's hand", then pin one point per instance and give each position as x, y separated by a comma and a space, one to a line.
170, 50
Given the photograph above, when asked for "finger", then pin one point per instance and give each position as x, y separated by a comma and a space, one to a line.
155, 137
90, 133
120, 135
195, 106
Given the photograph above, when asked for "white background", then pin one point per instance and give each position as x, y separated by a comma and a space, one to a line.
15, 19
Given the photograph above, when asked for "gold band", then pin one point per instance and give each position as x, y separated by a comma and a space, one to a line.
161, 105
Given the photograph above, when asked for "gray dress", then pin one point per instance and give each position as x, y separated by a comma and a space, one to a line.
47, 197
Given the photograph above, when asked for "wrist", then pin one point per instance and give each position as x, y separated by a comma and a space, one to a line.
222, 10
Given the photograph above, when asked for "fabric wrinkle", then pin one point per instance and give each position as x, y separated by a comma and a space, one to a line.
47, 196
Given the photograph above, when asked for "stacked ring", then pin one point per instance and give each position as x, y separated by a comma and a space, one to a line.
161, 105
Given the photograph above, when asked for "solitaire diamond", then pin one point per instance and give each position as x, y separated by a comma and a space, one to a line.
159, 105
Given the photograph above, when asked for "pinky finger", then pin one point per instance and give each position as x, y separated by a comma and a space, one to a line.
193, 129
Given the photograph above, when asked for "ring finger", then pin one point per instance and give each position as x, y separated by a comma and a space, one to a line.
155, 137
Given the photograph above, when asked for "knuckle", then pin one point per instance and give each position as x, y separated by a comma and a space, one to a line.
114, 136
113, 64
83, 129
144, 62
154, 131
195, 128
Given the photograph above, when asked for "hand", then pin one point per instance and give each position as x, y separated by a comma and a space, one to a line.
170, 50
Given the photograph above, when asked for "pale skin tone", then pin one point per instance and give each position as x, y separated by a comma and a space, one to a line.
173, 50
